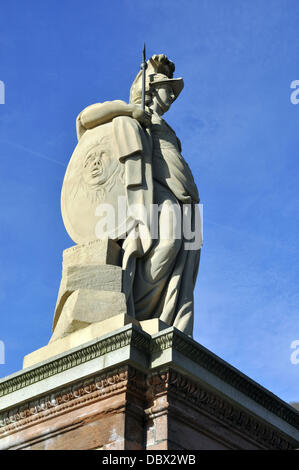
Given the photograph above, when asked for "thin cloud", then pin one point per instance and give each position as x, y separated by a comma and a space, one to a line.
32, 152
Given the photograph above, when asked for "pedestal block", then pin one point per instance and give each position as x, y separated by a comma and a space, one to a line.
132, 390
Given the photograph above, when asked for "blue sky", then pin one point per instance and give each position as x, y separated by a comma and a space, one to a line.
240, 136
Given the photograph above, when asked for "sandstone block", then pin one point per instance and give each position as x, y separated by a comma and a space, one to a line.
102, 278
96, 252
85, 306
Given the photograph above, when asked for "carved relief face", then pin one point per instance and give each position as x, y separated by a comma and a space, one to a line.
98, 166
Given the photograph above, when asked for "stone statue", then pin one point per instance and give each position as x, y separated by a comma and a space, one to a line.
129, 159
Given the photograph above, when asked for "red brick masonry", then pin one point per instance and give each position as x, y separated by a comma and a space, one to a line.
127, 408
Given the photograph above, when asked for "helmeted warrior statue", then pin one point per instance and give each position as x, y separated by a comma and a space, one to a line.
129, 159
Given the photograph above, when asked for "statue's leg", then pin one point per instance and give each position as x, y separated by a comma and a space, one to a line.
165, 279
154, 272
184, 317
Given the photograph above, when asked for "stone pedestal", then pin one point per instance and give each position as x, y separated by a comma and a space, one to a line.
129, 389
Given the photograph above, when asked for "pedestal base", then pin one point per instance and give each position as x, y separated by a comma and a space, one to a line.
96, 330
132, 390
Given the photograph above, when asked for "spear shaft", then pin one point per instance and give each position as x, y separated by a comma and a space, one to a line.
143, 68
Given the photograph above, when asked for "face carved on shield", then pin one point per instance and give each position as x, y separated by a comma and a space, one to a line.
93, 167
98, 166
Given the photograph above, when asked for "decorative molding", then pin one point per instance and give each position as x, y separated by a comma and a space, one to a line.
174, 384
97, 388
132, 336
134, 383
181, 343
63, 399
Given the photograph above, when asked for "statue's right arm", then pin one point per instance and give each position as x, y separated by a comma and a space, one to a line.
100, 113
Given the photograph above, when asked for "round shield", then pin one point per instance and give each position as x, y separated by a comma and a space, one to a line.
93, 197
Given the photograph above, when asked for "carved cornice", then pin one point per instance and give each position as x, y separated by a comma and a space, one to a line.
99, 387
134, 383
133, 337
181, 343
191, 389
181, 387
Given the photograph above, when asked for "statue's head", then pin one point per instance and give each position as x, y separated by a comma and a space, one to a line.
159, 83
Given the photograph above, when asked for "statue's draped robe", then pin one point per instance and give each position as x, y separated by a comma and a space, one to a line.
159, 274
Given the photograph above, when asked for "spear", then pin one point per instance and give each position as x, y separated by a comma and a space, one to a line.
143, 68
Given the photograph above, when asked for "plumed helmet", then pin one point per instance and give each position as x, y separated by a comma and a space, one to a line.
159, 70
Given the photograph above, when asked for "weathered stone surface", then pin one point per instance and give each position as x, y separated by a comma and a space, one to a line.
105, 412
112, 393
91, 332
152, 326
98, 252
101, 278
77, 338
86, 279
85, 306
112, 411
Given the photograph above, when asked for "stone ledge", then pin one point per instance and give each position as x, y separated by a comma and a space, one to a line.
128, 344
76, 339
175, 341
163, 401
67, 410
133, 347
94, 331
194, 397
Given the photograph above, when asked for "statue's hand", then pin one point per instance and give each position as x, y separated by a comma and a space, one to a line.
142, 116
